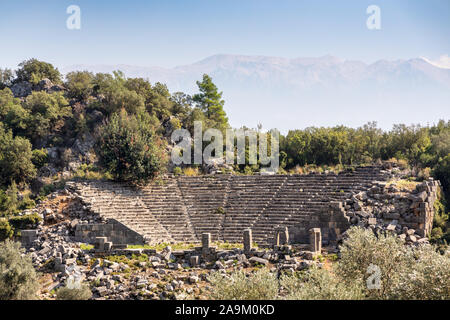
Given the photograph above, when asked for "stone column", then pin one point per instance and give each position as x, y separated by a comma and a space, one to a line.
315, 240
194, 261
276, 239
285, 236
100, 243
206, 241
206, 245
248, 240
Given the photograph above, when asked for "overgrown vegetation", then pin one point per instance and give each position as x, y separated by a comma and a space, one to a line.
404, 273
18, 279
261, 285
66, 293
129, 148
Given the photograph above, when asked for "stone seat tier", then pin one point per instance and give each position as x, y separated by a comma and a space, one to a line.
182, 208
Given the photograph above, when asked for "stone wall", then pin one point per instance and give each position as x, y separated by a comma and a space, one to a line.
387, 205
115, 231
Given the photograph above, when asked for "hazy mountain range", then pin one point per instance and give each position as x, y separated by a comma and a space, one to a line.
302, 92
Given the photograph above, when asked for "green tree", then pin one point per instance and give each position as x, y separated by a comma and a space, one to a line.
129, 148
18, 279
442, 173
210, 101
6, 231
6, 78
15, 158
47, 113
320, 284
362, 249
79, 84
115, 95
34, 71
12, 114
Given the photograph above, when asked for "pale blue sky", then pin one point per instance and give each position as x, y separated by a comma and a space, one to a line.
168, 33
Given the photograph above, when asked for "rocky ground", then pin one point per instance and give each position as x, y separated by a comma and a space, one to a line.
143, 273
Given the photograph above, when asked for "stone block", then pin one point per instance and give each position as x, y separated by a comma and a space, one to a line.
255, 260
194, 261
248, 240
206, 241
315, 240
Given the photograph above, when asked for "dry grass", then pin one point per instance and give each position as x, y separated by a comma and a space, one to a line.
403, 184
188, 246
190, 171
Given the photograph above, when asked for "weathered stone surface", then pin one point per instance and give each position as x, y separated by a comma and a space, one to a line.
256, 260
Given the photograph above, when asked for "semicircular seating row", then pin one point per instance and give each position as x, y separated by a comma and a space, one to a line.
180, 209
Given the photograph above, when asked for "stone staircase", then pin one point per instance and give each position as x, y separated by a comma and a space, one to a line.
204, 198
124, 204
180, 209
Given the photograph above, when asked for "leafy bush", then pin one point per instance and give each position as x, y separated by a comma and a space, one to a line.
405, 272
18, 279
6, 231
115, 95
47, 113
261, 285
12, 113
15, 159
320, 284
427, 277
442, 173
129, 149
82, 293
34, 71
177, 171
39, 157
363, 248
6, 78
79, 84
28, 221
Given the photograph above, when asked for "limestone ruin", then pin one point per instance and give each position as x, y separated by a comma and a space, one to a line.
278, 209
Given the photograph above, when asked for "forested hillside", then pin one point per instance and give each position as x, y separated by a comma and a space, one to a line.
108, 126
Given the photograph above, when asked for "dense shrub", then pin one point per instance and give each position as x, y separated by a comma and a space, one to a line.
34, 71
28, 221
79, 84
6, 77
115, 95
442, 173
18, 279
177, 171
6, 231
261, 285
15, 159
82, 293
320, 284
47, 113
39, 157
363, 248
12, 114
427, 277
405, 273
129, 148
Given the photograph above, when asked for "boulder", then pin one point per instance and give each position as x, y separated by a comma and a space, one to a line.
21, 89
255, 260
